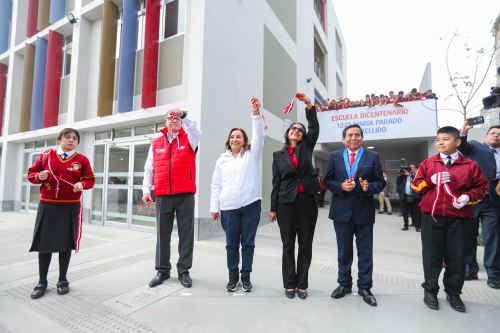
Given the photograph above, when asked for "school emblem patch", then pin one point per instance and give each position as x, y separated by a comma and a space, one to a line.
75, 167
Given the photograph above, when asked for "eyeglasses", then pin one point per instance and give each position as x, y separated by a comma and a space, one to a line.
297, 129
494, 133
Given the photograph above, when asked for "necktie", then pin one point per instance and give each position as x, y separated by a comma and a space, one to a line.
448, 163
64, 156
351, 160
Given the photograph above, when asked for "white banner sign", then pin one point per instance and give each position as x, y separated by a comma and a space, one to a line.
410, 120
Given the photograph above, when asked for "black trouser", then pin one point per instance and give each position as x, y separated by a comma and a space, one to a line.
297, 219
443, 241
180, 206
321, 199
411, 209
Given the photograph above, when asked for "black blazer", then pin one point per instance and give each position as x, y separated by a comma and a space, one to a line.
286, 179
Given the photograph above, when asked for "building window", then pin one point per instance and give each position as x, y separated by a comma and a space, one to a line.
67, 50
318, 99
320, 9
338, 51
319, 62
340, 86
141, 25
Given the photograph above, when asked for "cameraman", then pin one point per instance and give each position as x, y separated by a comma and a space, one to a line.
408, 198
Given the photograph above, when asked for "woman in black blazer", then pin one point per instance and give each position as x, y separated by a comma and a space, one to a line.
293, 199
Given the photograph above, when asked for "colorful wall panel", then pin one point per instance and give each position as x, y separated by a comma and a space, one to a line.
128, 46
3, 86
29, 62
43, 14
5, 21
57, 10
150, 66
53, 79
32, 18
107, 59
39, 72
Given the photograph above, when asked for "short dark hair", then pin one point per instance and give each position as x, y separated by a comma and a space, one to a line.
449, 130
494, 126
246, 145
67, 131
344, 131
304, 135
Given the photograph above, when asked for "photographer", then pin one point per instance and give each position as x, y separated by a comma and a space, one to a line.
408, 198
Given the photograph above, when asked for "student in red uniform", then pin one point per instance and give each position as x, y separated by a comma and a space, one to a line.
62, 174
450, 183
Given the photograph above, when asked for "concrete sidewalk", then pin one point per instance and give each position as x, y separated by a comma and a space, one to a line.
109, 290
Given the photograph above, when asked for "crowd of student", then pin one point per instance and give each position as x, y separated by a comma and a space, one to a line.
374, 100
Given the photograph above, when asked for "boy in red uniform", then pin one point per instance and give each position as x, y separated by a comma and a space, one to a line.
450, 183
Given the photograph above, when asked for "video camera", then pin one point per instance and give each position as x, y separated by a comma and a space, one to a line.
403, 166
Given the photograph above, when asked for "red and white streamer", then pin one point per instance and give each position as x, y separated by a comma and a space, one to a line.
447, 190
254, 103
79, 230
290, 105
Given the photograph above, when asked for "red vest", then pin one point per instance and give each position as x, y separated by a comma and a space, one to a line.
174, 165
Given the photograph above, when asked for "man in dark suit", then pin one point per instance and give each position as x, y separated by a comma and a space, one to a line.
354, 175
487, 156
409, 199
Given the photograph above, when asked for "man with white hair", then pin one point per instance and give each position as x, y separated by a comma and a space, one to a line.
171, 168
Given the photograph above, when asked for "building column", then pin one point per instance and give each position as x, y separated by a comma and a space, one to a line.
10, 176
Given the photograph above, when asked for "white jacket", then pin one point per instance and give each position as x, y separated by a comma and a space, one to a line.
237, 181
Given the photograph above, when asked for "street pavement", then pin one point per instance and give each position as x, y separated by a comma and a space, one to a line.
109, 287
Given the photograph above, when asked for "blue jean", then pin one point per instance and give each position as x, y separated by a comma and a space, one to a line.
488, 215
240, 226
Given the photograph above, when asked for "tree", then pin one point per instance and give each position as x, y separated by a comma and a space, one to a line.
468, 73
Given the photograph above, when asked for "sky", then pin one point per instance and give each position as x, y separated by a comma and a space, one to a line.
388, 44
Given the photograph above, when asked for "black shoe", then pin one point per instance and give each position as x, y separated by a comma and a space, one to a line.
39, 290
341, 291
302, 294
455, 302
381, 212
389, 213
405, 228
232, 284
290, 293
246, 285
417, 229
470, 276
431, 300
63, 287
495, 284
411, 225
159, 278
186, 280
367, 297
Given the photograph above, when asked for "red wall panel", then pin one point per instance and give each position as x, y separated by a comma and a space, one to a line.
53, 79
150, 65
32, 18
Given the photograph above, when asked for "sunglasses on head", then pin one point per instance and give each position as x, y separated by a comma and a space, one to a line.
298, 129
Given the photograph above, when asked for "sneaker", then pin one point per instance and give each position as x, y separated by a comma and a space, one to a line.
246, 285
233, 282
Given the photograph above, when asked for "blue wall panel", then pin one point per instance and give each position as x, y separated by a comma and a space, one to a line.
57, 10
128, 44
38, 84
5, 18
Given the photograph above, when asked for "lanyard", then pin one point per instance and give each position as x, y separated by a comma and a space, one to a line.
351, 171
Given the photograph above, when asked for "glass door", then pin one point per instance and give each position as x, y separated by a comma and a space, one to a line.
117, 183
141, 215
